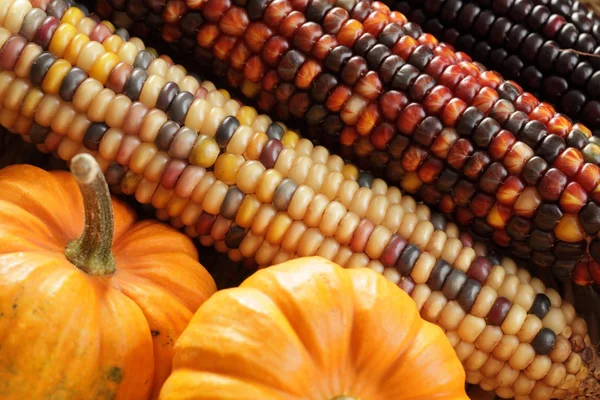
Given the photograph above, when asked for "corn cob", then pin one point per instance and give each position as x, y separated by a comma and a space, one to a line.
452, 283
477, 177
545, 52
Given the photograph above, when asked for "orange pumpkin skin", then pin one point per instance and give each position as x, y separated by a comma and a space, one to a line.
308, 329
65, 334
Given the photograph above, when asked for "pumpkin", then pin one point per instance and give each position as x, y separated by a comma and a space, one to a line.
309, 329
88, 310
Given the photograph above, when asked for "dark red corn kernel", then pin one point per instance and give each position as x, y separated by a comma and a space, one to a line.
476, 164
270, 153
299, 103
501, 238
414, 156
481, 204
480, 269
274, 49
518, 228
533, 170
463, 192
430, 169
338, 57
390, 34
290, 64
46, 31
114, 174
541, 241
234, 237
306, 36
499, 311
421, 87
444, 142
392, 251
467, 89
391, 103
172, 172
427, 131
526, 103
460, 153
410, 117
447, 180
451, 76
436, 66
323, 47
334, 19
354, 69
205, 223
492, 177
274, 13
437, 99
552, 184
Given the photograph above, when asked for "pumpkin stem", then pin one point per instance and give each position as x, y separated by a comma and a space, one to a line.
343, 397
91, 252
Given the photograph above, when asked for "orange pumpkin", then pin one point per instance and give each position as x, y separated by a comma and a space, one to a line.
309, 329
88, 313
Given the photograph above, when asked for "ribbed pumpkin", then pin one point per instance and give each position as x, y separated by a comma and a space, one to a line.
88, 311
308, 329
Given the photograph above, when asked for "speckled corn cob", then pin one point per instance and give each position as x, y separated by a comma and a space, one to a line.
545, 51
410, 110
268, 199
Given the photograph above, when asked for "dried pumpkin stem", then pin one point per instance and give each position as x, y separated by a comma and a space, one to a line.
91, 252
344, 398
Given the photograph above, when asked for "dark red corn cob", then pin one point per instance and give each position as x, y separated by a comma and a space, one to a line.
545, 51
406, 107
